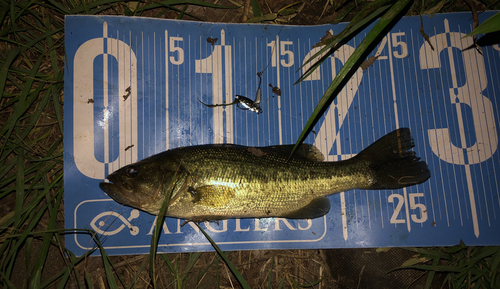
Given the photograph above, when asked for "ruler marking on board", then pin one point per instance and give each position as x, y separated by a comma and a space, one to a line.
396, 118
105, 91
462, 136
433, 121
494, 163
450, 154
441, 142
155, 94
419, 98
407, 109
479, 104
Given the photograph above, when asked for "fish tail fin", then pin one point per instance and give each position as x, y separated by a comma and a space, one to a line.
392, 163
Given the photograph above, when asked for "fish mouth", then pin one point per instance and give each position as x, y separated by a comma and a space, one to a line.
116, 188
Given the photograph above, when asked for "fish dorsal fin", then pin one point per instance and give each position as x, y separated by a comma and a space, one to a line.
304, 151
315, 209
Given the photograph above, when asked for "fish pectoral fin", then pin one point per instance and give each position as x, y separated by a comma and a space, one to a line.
211, 195
315, 209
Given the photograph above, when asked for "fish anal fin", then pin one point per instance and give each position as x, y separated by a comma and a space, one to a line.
316, 208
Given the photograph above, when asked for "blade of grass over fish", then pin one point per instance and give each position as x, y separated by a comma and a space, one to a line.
235, 271
491, 24
156, 237
387, 21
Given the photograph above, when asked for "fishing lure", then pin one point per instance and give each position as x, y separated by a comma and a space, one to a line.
243, 102
247, 103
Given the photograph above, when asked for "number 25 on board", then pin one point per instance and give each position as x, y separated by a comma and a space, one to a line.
417, 218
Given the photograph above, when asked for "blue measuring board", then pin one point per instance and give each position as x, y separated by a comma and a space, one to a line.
133, 88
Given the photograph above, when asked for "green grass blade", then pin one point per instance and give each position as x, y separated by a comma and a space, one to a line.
173, 270
387, 21
44, 250
193, 258
24, 101
270, 274
430, 276
177, 2
431, 252
439, 268
139, 271
494, 267
491, 24
256, 8
57, 107
155, 238
59, 6
88, 281
7, 281
366, 16
281, 282
107, 266
265, 17
4, 69
65, 273
231, 266
19, 188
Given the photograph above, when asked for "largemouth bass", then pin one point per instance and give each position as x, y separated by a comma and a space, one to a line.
211, 182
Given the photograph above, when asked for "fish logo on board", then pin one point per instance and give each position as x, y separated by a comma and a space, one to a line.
107, 227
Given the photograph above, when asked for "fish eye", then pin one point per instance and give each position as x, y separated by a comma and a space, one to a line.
132, 172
